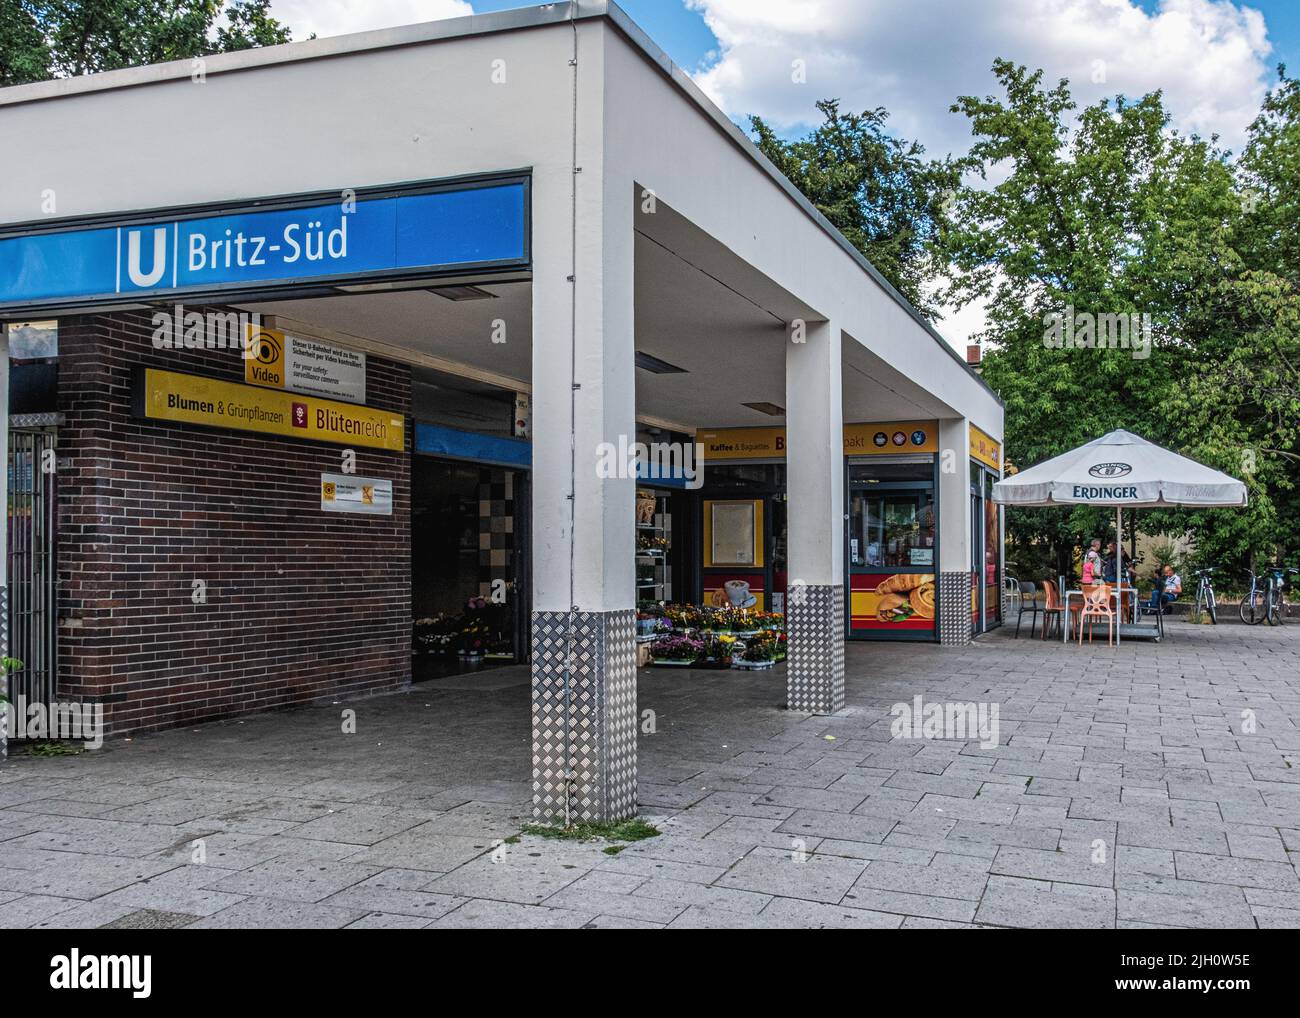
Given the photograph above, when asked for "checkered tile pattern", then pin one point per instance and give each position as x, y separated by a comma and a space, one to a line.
496, 525
954, 608
814, 618
598, 720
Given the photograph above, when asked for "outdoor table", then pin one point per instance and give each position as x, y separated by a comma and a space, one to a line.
1116, 594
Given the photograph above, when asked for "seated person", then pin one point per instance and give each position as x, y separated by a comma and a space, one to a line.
1168, 588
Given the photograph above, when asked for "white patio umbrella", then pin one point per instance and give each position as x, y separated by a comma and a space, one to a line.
1120, 469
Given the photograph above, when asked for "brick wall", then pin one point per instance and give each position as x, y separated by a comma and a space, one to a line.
300, 603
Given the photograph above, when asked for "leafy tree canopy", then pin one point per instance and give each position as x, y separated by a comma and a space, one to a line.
43, 39
876, 189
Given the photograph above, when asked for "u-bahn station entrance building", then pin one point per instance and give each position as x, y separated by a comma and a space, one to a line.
311, 343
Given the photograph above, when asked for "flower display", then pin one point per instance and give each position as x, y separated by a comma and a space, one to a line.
678, 647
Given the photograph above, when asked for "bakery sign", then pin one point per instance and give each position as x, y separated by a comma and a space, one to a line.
279, 360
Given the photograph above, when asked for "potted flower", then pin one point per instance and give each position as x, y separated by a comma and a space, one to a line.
758, 653
473, 640
676, 649
718, 650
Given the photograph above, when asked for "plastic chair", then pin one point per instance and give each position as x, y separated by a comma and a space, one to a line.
1053, 612
1010, 594
1028, 605
1096, 605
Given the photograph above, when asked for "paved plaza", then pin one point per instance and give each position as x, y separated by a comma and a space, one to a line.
1150, 785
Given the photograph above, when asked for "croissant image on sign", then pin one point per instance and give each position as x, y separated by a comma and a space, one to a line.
904, 596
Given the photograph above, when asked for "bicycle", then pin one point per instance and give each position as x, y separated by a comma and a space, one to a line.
1206, 603
1279, 609
1254, 605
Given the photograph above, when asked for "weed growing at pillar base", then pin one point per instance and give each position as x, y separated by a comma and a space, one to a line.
73, 722
965, 722
682, 461
1087, 331
179, 329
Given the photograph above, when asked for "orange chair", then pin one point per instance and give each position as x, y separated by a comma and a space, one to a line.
1096, 605
1053, 613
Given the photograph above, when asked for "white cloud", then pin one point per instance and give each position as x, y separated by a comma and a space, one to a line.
1209, 57
340, 17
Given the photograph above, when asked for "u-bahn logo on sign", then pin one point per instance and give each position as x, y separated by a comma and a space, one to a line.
1110, 470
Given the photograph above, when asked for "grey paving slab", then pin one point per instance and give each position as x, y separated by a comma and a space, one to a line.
512, 915
815, 878
1138, 749
1186, 904
278, 914
301, 880
359, 824
1040, 904
527, 873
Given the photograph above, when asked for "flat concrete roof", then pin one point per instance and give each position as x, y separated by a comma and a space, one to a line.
478, 24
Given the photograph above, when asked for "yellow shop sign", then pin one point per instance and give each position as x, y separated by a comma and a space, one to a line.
191, 399
859, 440
984, 449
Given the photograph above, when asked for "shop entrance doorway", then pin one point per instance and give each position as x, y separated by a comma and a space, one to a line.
466, 580
892, 546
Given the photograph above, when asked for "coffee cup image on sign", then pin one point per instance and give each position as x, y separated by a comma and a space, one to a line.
904, 596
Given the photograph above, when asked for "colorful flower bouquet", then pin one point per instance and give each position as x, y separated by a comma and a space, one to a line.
759, 651
436, 635
677, 649
719, 648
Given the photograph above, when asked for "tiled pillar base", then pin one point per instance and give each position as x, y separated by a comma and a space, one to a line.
814, 618
954, 609
599, 777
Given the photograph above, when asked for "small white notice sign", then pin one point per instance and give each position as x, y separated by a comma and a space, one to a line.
320, 369
347, 493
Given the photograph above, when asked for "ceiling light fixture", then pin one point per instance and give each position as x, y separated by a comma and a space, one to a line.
465, 292
655, 365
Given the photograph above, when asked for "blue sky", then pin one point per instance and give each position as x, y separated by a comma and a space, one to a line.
1212, 59
684, 36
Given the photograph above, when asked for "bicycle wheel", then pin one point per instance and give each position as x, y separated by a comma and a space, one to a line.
1212, 605
1272, 613
1252, 608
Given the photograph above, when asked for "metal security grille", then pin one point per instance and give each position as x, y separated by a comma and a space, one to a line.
33, 582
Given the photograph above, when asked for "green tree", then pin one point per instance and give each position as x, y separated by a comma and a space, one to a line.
1107, 211
42, 39
876, 189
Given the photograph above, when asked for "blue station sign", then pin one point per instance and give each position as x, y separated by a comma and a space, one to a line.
304, 244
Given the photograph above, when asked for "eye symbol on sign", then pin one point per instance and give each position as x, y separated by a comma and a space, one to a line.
266, 348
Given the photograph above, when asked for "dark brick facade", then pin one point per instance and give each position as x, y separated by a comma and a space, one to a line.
300, 604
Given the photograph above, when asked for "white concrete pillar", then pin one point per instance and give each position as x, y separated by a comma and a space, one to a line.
815, 520
954, 532
583, 534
